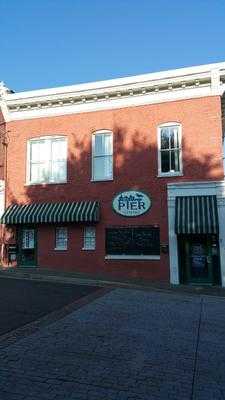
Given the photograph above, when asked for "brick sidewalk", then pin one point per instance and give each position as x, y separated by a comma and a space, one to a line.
126, 345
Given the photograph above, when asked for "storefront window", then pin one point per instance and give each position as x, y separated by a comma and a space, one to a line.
135, 240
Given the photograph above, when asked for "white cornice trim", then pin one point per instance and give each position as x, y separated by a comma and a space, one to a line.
179, 84
5, 111
101, 105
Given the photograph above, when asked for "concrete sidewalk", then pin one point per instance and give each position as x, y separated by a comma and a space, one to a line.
126, 345
47, 275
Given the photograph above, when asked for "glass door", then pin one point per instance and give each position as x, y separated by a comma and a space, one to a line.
27, 247
198, 260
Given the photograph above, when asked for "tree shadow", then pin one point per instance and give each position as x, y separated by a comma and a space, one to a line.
135, 167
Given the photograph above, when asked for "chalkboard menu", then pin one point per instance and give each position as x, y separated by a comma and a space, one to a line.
135, 240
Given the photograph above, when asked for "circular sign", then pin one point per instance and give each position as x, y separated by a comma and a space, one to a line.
131, 203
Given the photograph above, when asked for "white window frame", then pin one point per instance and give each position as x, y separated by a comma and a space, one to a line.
58, 247
28, 163
100, 132
170, 173
92, 237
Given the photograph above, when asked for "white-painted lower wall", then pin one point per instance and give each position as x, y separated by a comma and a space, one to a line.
195, 189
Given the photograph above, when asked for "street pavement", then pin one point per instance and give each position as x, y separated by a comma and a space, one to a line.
125, 345
23, 301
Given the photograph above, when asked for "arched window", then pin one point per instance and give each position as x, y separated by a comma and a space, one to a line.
102, 155
47, 160
169, 149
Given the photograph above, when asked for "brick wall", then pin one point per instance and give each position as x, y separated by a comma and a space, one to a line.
135, 166
2, 134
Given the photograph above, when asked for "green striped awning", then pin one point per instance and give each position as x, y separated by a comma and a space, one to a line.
37, 213
196, 214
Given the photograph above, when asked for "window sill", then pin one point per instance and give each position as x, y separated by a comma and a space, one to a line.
101, 180
44, 183
87, 249
131, 257
169, 174
58, 249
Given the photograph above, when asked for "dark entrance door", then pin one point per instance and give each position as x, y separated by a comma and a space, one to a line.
27, 246
199, 259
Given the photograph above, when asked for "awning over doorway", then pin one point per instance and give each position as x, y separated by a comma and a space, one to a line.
196, 215
82, 211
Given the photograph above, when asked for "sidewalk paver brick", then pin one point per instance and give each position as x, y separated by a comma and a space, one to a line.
126, 345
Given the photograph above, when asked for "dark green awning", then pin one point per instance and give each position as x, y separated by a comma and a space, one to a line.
37, 213
196, 214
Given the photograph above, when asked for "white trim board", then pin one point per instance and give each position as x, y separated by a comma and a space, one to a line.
192, 189
102, 105
178, 84
186, 72
131, 257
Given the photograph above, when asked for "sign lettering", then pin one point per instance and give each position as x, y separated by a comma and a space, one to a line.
131, 203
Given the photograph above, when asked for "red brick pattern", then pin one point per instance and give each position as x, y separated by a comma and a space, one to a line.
135, 167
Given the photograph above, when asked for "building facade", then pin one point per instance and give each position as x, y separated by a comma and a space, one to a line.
121, 178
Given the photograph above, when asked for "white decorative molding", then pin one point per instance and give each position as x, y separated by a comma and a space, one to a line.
178, 84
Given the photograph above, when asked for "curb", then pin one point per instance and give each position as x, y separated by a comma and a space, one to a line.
65, 279
71, 280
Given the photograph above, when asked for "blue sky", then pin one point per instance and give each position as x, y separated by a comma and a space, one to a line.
48, 43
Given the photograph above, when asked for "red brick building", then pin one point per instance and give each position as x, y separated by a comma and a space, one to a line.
120, 178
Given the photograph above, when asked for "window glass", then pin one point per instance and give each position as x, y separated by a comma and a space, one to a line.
58, 149
170, 149
135, 240
61, 238
165, 161
89, 238
175, 166
99, 144
35, 151
58, 172
28, 238
102, 167
165, 138
107, 144
48, 160
102, 156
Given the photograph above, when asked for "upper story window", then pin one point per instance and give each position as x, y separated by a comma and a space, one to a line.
169, 150
102, 156
47, 160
